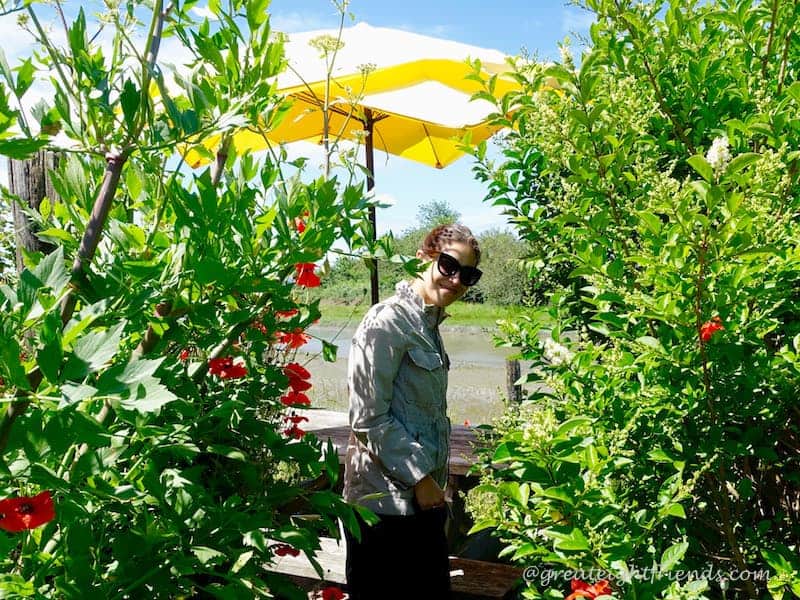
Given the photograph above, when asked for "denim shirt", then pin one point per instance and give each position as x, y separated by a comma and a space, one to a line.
397, 380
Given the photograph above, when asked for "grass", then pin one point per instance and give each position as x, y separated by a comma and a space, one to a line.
466, 314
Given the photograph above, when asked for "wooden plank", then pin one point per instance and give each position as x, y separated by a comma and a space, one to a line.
333, 425
470, 579
480, 579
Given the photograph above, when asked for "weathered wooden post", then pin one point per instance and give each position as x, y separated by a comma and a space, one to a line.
513, 373
28, 180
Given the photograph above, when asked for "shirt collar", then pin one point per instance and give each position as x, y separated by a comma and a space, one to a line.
432, 314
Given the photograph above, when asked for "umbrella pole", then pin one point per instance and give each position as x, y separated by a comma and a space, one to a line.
368, 127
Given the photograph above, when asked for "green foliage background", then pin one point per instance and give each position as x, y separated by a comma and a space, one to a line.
650, 444
505, 281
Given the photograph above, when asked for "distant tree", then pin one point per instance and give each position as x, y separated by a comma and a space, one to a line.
436, 212
504, 280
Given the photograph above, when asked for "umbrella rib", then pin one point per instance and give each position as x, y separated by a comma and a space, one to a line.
433, 148
312, 99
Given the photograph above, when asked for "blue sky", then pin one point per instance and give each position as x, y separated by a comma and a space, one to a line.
506, 25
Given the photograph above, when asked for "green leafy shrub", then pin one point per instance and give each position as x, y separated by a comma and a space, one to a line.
665, 433
144, 361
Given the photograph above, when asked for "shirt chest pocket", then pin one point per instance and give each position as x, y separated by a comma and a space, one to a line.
427, 378
425, 359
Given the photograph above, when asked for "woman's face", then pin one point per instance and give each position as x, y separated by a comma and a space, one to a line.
437, 289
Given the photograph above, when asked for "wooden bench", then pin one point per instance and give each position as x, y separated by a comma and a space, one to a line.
470, 579
333, 425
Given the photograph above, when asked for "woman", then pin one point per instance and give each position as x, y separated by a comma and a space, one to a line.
398, 452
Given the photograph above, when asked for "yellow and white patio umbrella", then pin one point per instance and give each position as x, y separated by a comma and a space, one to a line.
400, 92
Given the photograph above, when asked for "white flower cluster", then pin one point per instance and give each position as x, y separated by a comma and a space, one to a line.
719, 155
7, 240
556, 353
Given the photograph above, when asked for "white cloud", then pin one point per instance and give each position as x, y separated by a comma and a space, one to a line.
16, 41
438, 31
397, 225
483, 220
203, 12
296, 21
576, 21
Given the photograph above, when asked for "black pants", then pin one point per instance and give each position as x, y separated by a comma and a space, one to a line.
400, 557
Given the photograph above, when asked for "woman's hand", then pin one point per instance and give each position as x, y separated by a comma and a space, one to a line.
428, 493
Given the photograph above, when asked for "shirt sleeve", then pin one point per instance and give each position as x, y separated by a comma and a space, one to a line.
376, 354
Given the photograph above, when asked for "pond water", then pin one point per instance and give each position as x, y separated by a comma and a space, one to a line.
477, 377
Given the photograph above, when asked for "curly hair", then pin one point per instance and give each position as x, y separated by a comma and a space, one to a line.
439, 236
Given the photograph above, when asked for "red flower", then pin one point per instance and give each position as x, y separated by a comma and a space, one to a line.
295, 399
581, 589
305, 275
467, 423
298, 376
296, 370
298, 385
294, 339
709, 328
225, 368
299, 225
295, 418
260, 326
284, 549
332, 593
184, 355
19, 514
286, 314
294, 431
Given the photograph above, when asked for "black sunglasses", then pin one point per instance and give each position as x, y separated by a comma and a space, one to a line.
449, 266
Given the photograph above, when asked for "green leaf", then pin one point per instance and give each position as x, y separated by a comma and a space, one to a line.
674, 510
777, 561
329, 351
673, 555
139, 370
651, 342
571, 424
651, 221
741, 161
130, 99
50, 354
226, 451
264, 222
257, 13
133, 181
564, 493
52, 271
700, 164
21, 148
573, 540
5, 69
147, 396
794, 91
93, 351
24, 77
208, 556
77, 34
72, 393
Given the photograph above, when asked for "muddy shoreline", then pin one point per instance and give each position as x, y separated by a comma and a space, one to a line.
476, 390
